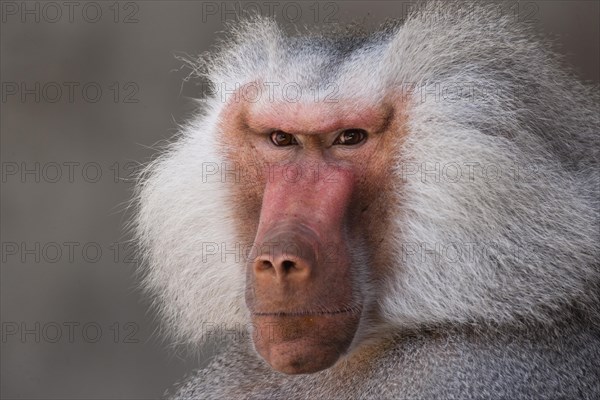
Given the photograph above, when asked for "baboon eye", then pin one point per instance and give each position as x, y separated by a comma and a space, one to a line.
351, 137
280, 138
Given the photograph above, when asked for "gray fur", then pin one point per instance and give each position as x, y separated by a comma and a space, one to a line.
518, 320
560, 363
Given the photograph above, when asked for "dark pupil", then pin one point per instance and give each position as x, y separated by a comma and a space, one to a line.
282, 137
351, 137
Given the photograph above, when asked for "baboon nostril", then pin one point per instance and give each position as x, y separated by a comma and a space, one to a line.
288, 265
265, 265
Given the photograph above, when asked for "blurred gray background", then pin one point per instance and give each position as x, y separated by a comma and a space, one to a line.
87, 90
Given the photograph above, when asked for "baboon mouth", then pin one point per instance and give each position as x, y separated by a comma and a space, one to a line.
304, 341
305, 313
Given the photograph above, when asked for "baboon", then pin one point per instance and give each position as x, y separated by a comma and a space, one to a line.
409, 213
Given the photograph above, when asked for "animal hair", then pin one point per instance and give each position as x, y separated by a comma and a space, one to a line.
528, 237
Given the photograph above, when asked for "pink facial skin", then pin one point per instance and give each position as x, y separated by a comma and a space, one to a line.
301, 297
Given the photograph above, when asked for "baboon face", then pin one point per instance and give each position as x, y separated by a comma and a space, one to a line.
314, 210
